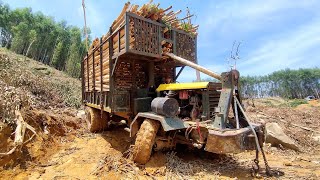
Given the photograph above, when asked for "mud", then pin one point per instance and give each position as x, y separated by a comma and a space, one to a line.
66, 150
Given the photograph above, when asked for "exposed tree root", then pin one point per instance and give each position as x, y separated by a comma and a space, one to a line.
20, 133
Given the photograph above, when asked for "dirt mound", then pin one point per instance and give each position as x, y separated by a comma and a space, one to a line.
51, 128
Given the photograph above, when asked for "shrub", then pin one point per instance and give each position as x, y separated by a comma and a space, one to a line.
297, 102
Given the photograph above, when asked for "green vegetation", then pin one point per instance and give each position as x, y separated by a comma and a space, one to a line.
288, 84
41, 38
280, 102
297, 102
284, 83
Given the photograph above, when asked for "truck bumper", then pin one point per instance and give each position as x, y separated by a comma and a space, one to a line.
233, 141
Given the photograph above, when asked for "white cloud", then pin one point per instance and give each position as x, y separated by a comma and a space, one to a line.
95, 18
275, 34
248, 13
284, 50
236, 20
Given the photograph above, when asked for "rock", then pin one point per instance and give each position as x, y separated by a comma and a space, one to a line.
273, 149
81, 114
261, 116
316, 162
276, 136
316, 138
287, 163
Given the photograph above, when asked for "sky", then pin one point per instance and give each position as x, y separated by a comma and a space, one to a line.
274, 34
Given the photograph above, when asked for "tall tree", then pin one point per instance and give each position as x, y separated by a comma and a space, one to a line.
73, 63
285, 83
39, 37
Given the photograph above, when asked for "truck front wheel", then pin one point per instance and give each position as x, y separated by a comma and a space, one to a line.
145, 140
94, 120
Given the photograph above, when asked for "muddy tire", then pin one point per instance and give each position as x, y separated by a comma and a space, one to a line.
145, 140
94, 120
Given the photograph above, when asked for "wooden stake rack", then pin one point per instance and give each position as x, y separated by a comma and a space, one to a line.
117, 63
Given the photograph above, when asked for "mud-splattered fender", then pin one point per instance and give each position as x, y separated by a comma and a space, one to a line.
168, 124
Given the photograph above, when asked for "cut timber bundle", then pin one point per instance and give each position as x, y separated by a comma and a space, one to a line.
95, 43
166, 46
146, 30
151, 11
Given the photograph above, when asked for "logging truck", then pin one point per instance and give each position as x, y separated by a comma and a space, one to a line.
130, 74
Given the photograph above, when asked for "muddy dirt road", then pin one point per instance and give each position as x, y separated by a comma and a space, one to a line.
102, 156
64, 149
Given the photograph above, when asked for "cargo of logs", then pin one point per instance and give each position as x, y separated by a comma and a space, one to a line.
149, 10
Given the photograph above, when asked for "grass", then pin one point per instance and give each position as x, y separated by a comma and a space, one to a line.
297, 102
268, 103
279, 102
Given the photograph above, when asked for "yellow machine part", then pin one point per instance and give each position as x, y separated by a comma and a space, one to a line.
181, 86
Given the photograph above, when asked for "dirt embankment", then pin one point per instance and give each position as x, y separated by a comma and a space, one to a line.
64, 149
47, 100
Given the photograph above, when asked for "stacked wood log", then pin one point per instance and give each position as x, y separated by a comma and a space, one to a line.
127, 72
123, 75
150, 11
163, 73
95, 43
92, 71
140, 76
143, 37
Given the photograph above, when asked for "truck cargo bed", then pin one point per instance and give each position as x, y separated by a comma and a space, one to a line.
121, 62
